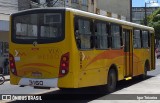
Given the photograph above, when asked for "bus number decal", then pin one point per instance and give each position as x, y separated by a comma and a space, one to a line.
32, 82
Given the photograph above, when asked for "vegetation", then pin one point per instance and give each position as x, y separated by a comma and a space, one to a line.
154, 21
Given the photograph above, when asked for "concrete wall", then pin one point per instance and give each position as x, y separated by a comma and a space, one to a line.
4, 37
24, 4
8, 6
120, 7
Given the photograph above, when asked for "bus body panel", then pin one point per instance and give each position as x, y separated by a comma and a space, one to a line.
95, 65
69, 80
140, 57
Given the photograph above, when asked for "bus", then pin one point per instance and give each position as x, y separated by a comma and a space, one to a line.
69, 48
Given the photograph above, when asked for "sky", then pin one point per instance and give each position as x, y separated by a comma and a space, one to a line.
141, 3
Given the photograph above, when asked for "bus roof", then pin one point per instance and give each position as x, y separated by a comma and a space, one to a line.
92, 15
109, 19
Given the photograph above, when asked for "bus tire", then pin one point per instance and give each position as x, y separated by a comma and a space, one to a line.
146, 67
111, 81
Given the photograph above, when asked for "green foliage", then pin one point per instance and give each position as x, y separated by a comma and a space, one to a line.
154, 21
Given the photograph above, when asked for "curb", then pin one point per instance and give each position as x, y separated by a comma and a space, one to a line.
7, 79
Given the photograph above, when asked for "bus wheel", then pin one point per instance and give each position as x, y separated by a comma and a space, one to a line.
146, 67
112, 81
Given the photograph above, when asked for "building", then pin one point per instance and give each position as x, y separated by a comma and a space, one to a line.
23, 4
138, 13
120, 7
86, 5
6, 8
102, 7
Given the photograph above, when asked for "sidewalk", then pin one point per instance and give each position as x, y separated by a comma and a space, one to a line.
7, 77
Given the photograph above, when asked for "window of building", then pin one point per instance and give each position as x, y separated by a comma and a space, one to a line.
75, 1
101, 32
83, 33
116, 37
145, 39
4, 49
92, 1
84, 2
36, 1
137, 39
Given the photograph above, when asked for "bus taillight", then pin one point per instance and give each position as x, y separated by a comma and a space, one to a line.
12, 64
64, 65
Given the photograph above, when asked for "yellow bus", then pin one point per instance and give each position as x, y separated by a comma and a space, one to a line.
69, 48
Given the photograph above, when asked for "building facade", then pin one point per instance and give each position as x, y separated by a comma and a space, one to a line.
6, 8
138, 13
102, 7
86, 5
120, 7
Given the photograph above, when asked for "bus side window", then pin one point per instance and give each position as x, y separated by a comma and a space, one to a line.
76, 32
101, 33
145, 39
137, 39
83, 33
149, 35
116, 36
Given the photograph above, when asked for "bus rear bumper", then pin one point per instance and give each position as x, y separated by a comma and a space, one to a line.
39, 82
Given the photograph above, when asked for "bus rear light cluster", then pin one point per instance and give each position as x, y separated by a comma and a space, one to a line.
64, 65
12, 64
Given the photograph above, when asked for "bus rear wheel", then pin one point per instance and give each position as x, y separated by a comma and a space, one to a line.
146, 67
112, 81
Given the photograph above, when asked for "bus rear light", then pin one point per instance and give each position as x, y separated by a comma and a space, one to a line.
64, 65
12, 64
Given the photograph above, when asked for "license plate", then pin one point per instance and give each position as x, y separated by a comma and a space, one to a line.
35, 83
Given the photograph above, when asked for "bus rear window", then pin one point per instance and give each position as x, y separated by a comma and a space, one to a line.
39, 27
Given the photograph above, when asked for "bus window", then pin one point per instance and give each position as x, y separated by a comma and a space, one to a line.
40, 27
116, 39
137, 39
83, 33
101, 31
145, 39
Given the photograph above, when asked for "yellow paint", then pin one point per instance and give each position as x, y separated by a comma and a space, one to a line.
128, 78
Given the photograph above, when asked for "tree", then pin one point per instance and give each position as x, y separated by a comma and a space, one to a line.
154, 21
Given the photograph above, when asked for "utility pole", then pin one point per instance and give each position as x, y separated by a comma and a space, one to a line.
130, 10
64, 3
145, 9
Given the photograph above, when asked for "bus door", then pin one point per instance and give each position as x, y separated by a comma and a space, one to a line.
128, 53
